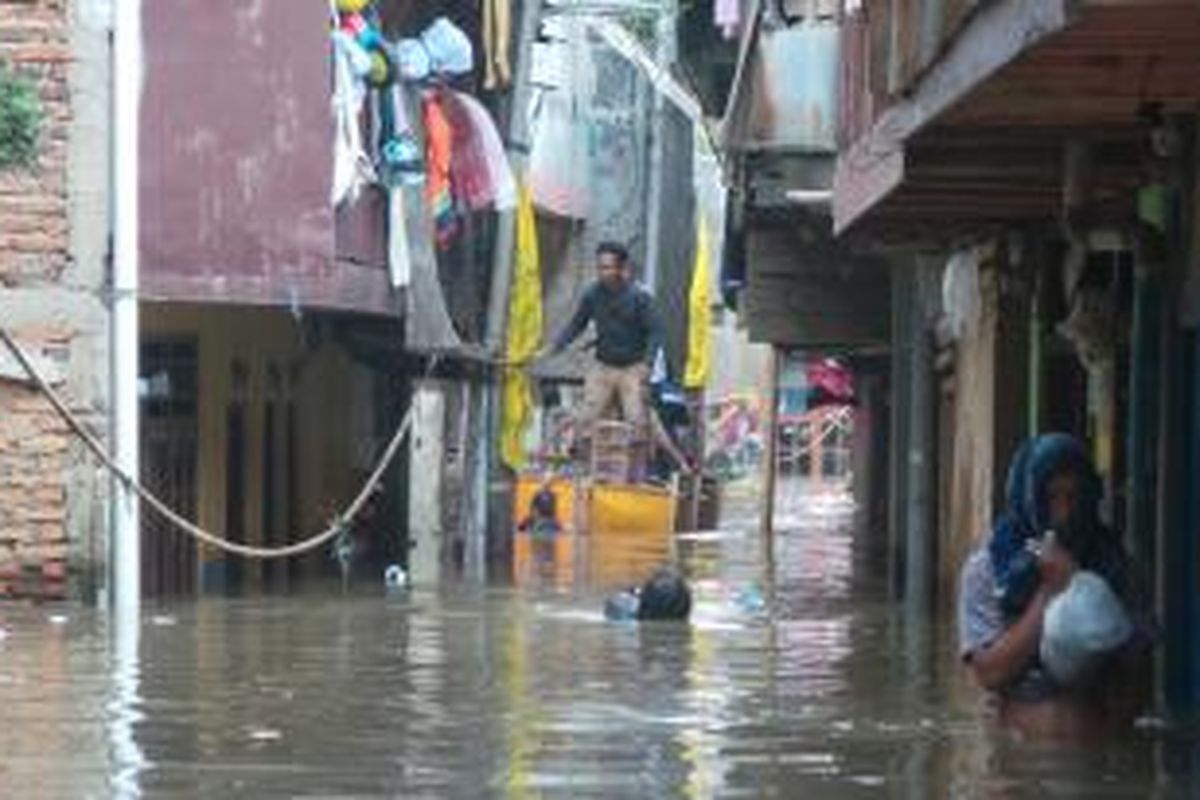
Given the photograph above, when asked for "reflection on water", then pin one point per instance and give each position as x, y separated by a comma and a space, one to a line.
794, 679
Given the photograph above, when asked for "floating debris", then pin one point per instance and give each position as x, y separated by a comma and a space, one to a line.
265, 735
394, 577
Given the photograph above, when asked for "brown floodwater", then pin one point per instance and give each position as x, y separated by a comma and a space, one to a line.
795, 678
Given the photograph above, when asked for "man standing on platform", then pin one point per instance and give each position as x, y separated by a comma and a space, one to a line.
628, 339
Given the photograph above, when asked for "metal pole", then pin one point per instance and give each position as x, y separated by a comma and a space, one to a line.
488, 406
771, 450
919, 571
478, 469
126, 542
1141, 416
903, 300
665, 57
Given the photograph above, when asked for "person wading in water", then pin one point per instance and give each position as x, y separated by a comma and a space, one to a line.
1009, 583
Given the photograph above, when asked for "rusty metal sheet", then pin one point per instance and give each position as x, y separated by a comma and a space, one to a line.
793, 100
236, 160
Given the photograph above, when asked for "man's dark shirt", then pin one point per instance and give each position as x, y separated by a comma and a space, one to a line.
627, 325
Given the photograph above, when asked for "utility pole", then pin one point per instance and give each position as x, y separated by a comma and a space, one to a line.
665, 56
126, 532
487, 404
770, 465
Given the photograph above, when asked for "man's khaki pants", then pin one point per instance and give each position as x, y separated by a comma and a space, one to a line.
627, 385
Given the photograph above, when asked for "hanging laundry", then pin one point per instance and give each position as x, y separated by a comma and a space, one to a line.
412, 60
699, 355
727, 15
560, 157
401, 156
399, 252
479, 170
497, 39
439, 146
351, 166
524, 335
561, 133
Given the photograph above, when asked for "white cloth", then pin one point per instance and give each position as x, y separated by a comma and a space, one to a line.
351, 167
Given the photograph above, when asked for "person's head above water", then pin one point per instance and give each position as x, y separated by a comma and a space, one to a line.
1062, 491
665, 595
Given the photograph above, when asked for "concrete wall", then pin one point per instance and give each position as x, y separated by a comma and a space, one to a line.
53, 242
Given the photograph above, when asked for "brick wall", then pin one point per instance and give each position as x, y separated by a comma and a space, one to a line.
34, 244
35, 247
34, 449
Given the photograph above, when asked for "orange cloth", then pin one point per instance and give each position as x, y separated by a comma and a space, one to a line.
439, 145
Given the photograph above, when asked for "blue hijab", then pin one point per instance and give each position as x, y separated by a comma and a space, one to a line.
1027, 517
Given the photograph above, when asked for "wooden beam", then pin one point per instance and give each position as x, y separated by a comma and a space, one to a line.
997, 34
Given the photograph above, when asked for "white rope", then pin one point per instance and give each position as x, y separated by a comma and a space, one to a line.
340, 523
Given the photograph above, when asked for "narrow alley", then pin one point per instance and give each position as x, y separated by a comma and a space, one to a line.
600, 398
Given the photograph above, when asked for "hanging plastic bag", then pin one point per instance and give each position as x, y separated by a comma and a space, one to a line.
412, 60
450, 51
559, 161
480, 170
1083, 623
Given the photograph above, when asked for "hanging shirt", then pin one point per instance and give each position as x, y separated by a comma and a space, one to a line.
727, 15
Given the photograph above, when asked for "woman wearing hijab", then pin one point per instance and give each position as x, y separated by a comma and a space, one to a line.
1050, 530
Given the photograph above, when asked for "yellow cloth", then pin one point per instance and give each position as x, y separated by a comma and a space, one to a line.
524, 333
699, 357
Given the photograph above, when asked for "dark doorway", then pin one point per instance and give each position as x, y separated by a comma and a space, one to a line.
168, 462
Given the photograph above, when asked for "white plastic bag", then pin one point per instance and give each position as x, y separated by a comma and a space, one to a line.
1082, 624
450, 51
559, 162
412, 60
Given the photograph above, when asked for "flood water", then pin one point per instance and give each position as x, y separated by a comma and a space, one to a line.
795, 678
